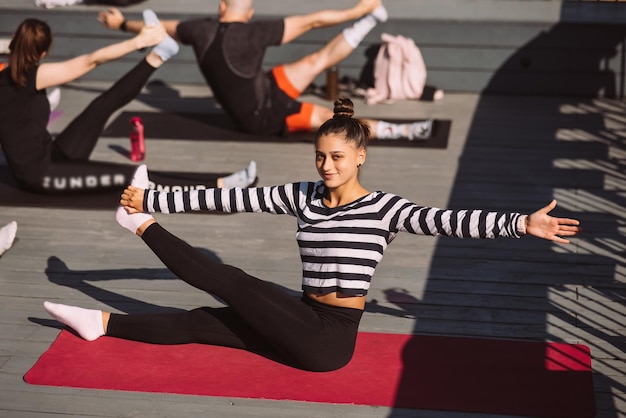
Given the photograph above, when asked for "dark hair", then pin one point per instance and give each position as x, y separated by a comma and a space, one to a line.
32, 38
355, 130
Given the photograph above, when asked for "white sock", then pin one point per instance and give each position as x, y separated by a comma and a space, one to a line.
412, 131
7, 236
49, 4
380, 14
86, 322
359, 29
135, 220
387, 130
168, 47
242, 178
420, 130
140, 178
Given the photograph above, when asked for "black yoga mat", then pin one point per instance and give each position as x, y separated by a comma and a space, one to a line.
218, 127
11, 195
171, 126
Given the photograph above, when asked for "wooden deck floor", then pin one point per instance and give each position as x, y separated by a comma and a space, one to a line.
504, 152
512, 153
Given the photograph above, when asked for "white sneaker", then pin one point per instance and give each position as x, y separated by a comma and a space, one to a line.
420, 130
49, 4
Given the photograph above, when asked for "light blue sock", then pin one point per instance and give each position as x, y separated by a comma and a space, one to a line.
359, 29
168, 47
243, 178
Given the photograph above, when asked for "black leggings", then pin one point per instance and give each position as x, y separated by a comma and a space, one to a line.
70, 170
260, 317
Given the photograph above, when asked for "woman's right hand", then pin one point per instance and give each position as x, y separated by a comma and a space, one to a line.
132, 199
150, 36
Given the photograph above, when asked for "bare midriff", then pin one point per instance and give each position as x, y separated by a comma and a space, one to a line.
338, 299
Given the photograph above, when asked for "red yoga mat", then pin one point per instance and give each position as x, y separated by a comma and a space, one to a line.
405, 371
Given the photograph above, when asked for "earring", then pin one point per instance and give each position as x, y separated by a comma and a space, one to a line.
358, 166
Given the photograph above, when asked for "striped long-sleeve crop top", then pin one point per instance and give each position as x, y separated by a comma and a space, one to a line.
340, 247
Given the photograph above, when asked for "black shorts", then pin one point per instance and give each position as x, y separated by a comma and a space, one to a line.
271, 119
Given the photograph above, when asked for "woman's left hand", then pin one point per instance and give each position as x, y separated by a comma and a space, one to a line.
542, 225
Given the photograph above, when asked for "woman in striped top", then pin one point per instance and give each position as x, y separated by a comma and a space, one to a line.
342, 232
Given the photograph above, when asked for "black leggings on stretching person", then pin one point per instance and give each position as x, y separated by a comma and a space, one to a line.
260, 317
70, 169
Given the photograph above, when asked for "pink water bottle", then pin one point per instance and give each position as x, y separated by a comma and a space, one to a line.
137, 144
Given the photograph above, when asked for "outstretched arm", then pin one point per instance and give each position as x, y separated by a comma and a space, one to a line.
279, 200
475, 223
542, 225
57, 73
295, 26
113, 19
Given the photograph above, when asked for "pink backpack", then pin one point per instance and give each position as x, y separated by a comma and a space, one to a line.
399, 71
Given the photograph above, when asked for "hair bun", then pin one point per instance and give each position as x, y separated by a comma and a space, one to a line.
343, 107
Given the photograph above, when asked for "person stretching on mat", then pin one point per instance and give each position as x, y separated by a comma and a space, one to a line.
230, 51
342, 232
42, 164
